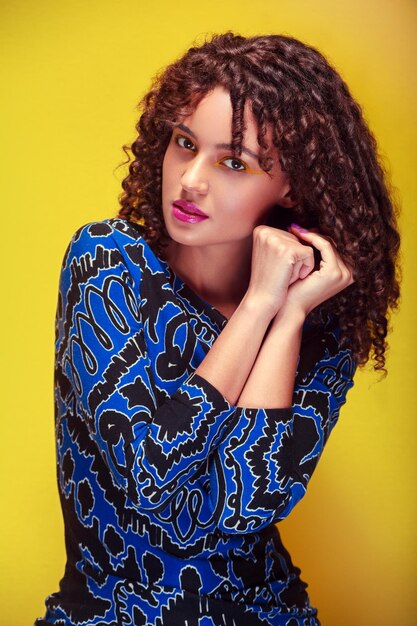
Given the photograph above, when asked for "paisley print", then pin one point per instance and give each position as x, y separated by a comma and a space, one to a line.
170, 495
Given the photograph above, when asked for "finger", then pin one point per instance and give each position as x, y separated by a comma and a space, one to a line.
307, 257
295, 274
328, 251
322, 243
304, 263
307, 268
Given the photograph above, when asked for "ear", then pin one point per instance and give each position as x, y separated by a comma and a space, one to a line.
286, 201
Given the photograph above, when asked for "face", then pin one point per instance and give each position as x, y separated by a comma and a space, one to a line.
210, 196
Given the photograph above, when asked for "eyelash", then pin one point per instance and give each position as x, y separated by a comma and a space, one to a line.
180, 141
179, 138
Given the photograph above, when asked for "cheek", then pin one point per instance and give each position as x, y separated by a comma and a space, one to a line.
165, 167
258, 200
167, 175
168, 163
167, 183
267, 194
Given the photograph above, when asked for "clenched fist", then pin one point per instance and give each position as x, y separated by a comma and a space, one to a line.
279, 259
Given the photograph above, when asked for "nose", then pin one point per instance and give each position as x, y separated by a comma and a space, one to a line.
194, 177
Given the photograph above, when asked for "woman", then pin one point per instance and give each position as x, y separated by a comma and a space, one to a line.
206, 341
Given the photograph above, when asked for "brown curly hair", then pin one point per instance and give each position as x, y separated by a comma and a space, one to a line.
324, 145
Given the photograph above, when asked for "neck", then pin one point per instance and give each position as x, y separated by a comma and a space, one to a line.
218, 274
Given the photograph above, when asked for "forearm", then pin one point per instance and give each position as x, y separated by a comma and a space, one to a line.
232, 356
271, 381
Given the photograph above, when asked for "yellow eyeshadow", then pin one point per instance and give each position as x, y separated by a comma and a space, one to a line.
248, 170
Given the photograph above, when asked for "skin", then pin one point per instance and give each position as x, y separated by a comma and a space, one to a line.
236, 201
261, 278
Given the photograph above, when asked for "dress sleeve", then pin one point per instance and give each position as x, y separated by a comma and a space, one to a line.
261, 469
152, 440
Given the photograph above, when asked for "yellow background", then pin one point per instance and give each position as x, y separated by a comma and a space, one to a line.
71, 75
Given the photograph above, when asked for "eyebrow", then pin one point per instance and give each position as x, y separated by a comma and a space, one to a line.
221, 146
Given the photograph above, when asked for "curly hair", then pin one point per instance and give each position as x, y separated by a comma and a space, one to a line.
324, 145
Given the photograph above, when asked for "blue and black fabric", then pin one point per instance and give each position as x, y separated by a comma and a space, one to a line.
170, 495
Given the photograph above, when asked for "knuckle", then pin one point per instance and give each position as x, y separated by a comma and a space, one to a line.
259, 230
349, 277
337, 275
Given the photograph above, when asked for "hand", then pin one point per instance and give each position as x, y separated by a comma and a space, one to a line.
332, 276
279, 259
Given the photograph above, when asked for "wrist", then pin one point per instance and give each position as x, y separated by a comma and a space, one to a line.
258, 309
290, 316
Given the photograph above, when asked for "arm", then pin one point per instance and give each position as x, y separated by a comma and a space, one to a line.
236, 361
106, 380
271, 380
261, 470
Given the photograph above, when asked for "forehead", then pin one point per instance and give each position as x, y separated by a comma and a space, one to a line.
214, 109
212, 119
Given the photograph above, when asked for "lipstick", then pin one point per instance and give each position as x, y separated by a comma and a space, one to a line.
188, 212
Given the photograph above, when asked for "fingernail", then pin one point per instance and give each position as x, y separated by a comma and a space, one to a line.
300, 228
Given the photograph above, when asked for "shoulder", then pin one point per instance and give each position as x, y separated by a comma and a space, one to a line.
108, 243
111, 251
107, 233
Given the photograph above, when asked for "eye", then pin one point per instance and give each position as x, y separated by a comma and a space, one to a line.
234, 164
184, 142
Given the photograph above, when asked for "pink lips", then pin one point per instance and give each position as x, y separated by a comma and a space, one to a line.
188, 212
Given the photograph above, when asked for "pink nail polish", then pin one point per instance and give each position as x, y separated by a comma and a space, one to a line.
299, 228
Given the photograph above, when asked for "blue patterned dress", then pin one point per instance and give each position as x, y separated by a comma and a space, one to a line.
169, 494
